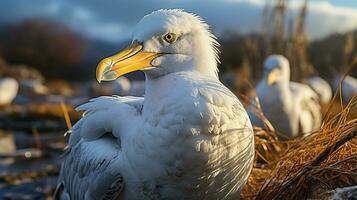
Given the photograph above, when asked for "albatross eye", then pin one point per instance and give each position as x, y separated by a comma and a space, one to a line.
170, 37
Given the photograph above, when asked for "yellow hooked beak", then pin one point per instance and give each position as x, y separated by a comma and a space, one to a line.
273, 77
130, 59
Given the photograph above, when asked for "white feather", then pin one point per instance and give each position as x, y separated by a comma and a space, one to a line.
291, 107
321, 87
189, 138
348, 86
8, 90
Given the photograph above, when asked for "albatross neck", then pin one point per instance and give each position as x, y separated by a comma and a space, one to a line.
160, 89
168, 89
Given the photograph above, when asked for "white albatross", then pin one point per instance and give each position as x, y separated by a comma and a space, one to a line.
189, 138
9, 88
348, 86
291, 107
321, 87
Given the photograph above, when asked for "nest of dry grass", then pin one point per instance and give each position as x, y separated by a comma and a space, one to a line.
306, 167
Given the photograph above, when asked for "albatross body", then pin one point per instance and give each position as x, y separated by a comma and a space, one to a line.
8, 90
291, 107
348, 86
322, 89
189, 138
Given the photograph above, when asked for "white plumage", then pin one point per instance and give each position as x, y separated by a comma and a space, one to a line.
189, 138
8, 90
321, 87
291, 107
348, 86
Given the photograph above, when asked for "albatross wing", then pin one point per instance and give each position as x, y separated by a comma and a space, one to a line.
307, 101
90, 169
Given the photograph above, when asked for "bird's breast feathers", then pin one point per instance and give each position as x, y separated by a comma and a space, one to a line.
197, 137
201, 136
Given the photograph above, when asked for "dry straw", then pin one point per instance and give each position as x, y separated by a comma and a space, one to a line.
306, 167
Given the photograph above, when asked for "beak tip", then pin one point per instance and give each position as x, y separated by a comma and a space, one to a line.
98, 78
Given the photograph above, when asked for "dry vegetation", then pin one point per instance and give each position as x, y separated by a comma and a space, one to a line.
285, 34
312, 166
307, 167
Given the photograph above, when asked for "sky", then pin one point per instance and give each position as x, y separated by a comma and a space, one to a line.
113, 20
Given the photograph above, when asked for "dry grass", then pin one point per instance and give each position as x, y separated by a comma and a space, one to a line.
308, 166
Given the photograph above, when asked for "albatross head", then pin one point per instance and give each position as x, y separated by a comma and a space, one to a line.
164, 42
276, 70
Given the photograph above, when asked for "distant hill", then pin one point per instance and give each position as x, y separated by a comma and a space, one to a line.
55, 50
327, 55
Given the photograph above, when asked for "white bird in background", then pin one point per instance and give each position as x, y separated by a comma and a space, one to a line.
8, 90
32, 88
121, 86
189, 138
291, 107
321, 87
349, 87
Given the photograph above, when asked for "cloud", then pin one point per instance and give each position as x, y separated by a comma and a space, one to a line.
324, 18
113, 20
